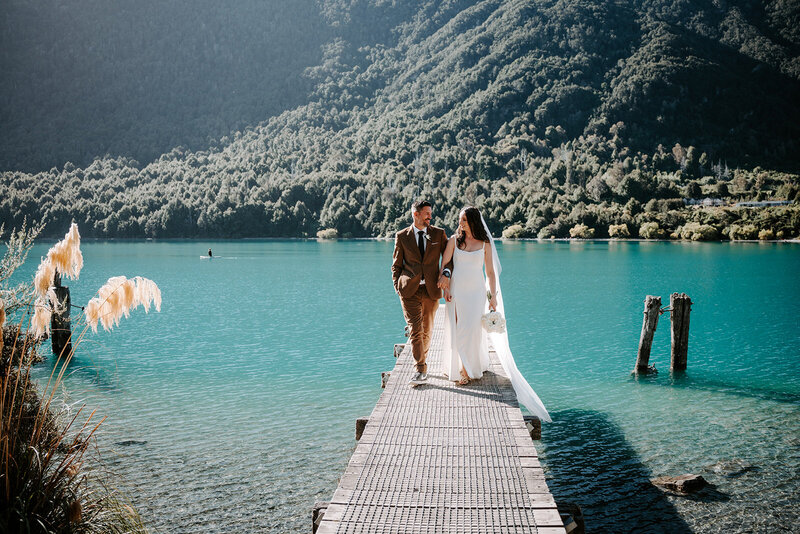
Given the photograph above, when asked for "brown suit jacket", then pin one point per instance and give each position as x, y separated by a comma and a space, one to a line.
407, 266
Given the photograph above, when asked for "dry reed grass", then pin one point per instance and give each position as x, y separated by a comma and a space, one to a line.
42, 485
18, 244
2, 322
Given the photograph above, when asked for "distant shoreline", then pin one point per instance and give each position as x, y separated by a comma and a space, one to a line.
522, 239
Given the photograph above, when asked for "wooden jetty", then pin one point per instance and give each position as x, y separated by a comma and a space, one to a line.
441, 458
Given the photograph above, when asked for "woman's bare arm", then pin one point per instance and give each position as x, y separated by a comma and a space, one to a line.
487, 260
448, 252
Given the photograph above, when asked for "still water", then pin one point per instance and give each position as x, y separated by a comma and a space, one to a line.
233, 408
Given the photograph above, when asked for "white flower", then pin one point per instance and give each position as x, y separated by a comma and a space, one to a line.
493, 322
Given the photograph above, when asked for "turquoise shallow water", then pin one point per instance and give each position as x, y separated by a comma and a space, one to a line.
234, 408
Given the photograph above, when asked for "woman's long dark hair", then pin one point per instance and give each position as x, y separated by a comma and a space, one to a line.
475, 226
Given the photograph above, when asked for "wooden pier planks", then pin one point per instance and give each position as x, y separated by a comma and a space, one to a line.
440, 458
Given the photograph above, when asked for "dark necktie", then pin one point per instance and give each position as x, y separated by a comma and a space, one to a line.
421, 244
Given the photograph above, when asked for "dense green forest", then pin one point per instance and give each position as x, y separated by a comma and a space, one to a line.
579, 118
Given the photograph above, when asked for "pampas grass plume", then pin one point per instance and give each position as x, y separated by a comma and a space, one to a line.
40, 323
45, 306
117, 297
64, 257
44, 276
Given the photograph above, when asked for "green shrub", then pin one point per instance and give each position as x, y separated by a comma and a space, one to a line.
581, 231
547, 232
693, 190
766, 235
651, 230
694, 231
328, 233
737, 231
515, 231
619, 230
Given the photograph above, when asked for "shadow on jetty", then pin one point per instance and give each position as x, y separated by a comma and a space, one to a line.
589, 462
477, 388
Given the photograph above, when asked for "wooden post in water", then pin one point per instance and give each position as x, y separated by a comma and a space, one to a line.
317, 513
534, 426
361, 424
681, 306
59, 321
652, 309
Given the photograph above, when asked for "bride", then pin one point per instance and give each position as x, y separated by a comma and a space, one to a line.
466, 343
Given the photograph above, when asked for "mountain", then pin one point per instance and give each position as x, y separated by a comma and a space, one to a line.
135, 79
548, 115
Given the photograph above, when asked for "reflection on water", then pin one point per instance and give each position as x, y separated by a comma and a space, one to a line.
233, 409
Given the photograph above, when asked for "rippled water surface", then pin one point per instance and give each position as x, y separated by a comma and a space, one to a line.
233, 409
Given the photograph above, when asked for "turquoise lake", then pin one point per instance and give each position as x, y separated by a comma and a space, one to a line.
233, 409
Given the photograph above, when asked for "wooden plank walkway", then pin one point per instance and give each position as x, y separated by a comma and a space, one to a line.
440, 458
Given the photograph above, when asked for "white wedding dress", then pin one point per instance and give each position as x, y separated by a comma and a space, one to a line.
466, 341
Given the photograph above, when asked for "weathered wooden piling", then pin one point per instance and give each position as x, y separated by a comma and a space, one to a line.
572, 516
317, 513
680, 308
385, 378
652, 309
61, 336
398, 349
361, 424
534, 426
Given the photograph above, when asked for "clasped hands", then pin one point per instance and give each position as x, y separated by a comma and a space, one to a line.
444, 285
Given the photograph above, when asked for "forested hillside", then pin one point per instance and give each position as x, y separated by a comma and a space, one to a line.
557, 118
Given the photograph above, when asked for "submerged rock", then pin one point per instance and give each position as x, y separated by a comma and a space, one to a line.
683, 484
129, 442
730, 468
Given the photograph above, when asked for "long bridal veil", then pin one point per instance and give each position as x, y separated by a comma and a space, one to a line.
527, 397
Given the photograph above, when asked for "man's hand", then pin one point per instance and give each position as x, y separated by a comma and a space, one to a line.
447, 296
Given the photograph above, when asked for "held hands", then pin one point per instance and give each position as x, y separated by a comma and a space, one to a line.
444, 282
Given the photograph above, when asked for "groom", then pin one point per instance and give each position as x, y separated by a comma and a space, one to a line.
418, 251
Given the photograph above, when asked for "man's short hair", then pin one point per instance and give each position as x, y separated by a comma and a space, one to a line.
419, 204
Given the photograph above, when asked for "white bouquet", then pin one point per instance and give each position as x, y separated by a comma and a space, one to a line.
493, 321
